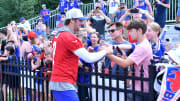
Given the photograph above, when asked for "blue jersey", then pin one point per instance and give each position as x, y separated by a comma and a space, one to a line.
115, 67
73, 4
58, 17
158, 50
62, 5
10, 68
43, 13
141, 4
89, 65
161, 10
79, 3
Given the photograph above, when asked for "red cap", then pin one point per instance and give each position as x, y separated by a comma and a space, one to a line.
31, 34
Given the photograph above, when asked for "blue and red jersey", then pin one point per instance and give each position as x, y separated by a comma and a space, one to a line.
63, 5
43, 13
73, 4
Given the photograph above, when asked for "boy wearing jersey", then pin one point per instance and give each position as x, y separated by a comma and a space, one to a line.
141, 55
143, 4
62, 6
72, 4
160, 16
67, 49
113, 5
45, 14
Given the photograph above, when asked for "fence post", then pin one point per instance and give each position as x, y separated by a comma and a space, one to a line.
152, 74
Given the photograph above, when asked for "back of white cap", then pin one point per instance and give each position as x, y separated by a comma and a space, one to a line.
75, 13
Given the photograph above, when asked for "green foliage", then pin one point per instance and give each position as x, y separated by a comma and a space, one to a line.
14, 9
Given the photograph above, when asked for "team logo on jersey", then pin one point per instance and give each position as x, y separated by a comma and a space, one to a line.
74, 41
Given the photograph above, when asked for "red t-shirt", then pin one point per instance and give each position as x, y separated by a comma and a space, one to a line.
65, 62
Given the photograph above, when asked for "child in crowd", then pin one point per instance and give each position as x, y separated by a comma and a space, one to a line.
41, 28
9, 80
140, 56
60, 20
152, 33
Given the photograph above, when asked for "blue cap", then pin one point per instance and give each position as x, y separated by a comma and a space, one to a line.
21, 19
83, 18
36, 49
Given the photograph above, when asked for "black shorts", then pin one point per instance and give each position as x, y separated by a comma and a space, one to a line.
12, 81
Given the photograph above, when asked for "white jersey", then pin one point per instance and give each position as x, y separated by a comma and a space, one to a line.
112, 6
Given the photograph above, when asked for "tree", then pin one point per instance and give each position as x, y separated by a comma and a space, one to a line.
14, 9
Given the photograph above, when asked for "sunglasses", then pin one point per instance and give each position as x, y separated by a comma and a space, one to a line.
112, 30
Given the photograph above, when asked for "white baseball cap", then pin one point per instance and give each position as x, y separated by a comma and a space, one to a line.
43, 5
75, 13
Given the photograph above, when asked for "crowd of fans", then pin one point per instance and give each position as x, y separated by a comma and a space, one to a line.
134, 31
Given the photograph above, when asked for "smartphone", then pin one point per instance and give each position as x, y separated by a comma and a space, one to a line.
134, 10
118, 50
122, 8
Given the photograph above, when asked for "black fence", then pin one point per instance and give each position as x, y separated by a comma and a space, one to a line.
20, 83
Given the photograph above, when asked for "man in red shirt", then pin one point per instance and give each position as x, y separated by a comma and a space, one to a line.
67, 49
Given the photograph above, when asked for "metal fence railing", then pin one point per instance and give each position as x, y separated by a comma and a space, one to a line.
20, 82
86, 8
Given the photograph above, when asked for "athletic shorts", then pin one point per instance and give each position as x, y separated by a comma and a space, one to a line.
68, 95
161, 20
47, 23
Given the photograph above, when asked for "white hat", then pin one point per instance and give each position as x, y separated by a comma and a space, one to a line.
174, 54
75, 13
43, 5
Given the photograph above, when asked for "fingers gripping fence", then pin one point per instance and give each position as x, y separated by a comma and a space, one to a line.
19, 82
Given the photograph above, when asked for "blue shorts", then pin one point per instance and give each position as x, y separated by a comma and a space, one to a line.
161, 20
178, 11
68, 95
46, 22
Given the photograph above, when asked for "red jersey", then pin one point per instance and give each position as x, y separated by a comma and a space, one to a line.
65, 62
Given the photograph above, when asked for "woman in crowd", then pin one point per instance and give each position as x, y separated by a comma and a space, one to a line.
152, 33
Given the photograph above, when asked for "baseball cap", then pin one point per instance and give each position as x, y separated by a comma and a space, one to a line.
174, 54
31, 34
43, 5
21, 19
75, 13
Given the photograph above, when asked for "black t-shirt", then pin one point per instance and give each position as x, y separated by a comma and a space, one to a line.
98, 23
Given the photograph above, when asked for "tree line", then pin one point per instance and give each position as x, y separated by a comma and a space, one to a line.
14, 9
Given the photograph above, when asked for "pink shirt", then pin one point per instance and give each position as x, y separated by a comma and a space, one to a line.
142, 56
26, 47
